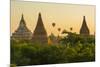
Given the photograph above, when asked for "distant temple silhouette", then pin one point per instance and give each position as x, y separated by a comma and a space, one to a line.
84, 28
22, 31
40, 34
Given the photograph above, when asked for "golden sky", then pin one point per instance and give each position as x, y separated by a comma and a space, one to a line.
64, 15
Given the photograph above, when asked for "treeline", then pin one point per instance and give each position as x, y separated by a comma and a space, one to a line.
27, 53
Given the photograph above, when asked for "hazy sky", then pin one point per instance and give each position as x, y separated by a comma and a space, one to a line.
64, 15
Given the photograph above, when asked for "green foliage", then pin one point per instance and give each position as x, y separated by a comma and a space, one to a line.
74, 38
27, 53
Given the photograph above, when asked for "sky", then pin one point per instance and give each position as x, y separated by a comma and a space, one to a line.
64, 16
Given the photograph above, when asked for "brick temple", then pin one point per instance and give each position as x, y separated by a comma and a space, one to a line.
40, 34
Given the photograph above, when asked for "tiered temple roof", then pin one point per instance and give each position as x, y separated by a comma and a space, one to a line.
22, 31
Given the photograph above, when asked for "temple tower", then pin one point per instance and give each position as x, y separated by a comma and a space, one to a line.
40, 34
84, 28
22, 31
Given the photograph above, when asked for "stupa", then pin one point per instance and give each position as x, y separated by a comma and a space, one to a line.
40, 34
84, 28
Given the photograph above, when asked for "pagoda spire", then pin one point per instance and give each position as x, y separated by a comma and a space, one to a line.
22, 31
84, 28
40, 22
39, 34
22, 21
22, 16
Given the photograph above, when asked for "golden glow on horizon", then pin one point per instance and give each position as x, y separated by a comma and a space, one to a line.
64, 15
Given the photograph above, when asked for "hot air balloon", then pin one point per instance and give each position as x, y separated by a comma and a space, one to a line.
71, 28
53, 24
59, 29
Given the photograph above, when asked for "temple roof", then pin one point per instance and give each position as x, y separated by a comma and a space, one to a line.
84, 28
22, 25
40, 29
22, 21
22, 30
40, 33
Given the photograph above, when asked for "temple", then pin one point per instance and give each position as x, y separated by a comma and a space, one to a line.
40, 34
84, 28
22, 31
